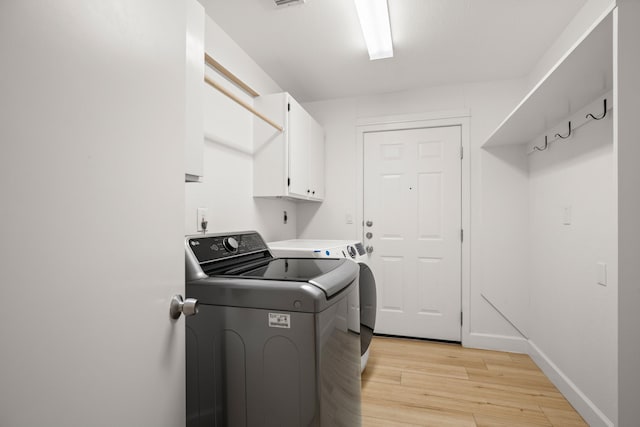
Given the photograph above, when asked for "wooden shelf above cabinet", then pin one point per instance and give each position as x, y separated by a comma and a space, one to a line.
584, 73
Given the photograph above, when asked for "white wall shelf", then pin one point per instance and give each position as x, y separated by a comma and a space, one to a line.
584, 73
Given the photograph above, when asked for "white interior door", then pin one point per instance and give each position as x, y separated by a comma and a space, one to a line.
92, 213
412, 201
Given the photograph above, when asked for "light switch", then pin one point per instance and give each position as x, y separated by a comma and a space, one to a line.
602, 273
349, 218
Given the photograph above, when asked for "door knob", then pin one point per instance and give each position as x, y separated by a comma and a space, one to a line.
178, 305
369, 249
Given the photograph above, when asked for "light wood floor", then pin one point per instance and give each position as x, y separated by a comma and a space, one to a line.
421, 383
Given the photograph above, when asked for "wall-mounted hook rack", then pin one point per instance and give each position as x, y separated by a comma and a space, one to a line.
546, 145
604, 113
567, 135
575, 121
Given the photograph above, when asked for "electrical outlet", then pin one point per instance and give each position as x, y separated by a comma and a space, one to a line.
566, 215
203, 215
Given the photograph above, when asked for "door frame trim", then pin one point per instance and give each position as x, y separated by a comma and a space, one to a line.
427, 120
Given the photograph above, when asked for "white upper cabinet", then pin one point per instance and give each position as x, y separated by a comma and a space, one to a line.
194, 82
290, 163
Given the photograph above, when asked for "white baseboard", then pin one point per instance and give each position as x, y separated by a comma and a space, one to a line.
496, 342
590, 412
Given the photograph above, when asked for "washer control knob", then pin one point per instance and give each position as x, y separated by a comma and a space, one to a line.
352, 251
230, 244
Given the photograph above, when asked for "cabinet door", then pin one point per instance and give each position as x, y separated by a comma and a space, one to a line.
316, 160
298, 138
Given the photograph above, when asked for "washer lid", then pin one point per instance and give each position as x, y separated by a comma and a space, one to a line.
257, 288
329, 275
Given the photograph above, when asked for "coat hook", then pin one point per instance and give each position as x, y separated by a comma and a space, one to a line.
546, 145
604, 114
567, 135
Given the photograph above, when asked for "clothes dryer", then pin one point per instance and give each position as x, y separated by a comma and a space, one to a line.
362, 306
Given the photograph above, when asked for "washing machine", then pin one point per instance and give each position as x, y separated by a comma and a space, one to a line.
363, 305
271, 343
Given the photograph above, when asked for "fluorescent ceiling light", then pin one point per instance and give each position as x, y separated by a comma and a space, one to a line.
374, 20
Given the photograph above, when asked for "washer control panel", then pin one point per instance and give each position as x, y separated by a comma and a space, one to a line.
217, 247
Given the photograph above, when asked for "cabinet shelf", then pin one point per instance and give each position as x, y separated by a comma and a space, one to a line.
584, 73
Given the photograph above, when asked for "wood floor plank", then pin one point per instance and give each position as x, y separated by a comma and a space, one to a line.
408, 346
483, 420
426, 366
523, 364
510, 379
435, 400
436, 357
568, 418
381, 422
477, 388
508, 369
381, 373
473, 394
382, 409
558, 402
419, 383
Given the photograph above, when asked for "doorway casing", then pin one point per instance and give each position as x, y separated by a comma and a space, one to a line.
427, 120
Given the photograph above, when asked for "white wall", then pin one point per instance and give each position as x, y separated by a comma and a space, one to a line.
227, 185
574, 319
489, 103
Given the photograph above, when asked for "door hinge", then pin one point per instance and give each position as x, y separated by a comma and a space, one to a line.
462, 235
288, 182
461, 152
288, 106
461, 318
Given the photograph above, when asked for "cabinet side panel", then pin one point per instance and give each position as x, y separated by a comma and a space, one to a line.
269, 161
194, 75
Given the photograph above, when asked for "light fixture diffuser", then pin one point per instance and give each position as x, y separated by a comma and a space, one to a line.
374, 20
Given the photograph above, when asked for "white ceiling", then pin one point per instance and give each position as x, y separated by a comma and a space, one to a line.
316, 51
